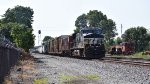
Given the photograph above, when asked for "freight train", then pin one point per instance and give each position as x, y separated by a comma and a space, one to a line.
88, 43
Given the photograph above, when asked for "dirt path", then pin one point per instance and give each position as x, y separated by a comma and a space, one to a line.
23, 73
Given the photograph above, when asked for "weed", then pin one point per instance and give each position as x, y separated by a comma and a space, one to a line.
66, 78
40, 81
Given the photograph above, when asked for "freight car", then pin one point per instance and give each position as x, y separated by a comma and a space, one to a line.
125, 48
89, 43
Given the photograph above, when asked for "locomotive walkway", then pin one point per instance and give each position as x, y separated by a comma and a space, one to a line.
49, 69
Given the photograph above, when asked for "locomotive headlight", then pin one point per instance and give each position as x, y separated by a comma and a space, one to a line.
96, 46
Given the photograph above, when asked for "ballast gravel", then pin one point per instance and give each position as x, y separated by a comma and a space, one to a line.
76, 71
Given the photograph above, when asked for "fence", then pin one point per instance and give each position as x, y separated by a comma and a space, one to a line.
9, 55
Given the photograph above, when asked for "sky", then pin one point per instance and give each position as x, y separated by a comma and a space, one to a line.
57, 17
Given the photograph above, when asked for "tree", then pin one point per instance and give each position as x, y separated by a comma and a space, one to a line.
47, 38
81, 22
109, 29
16, 25
97, 19
22, 36
138, 36
118, 40
148, 39
77, 30
19, 14
5, 29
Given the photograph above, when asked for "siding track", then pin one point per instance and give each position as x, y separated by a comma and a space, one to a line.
132, 61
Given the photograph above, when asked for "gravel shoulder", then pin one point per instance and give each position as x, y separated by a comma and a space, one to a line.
49, 69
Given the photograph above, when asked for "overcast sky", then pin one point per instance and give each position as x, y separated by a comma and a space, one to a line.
57, 17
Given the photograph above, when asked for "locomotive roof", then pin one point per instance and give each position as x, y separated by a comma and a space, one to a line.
91, 28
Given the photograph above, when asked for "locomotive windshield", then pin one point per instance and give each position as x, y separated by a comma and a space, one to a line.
92, 33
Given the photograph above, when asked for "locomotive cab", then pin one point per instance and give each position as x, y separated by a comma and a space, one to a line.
89, 42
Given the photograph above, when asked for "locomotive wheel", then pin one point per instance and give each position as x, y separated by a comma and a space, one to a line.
71, 52
82, 53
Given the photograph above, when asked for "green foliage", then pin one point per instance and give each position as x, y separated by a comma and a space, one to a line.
47, 38
68, 79
139, 55
81, 21
19, 14
40, 81
77, 30
139, 36
108, 44
111, 42
16, 26
97, 19
118, 40
22, 36
109, 29
5, 29
136, 55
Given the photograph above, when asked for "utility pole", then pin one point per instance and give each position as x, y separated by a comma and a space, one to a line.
121, 29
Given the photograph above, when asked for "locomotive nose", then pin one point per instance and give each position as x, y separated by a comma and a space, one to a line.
94, 50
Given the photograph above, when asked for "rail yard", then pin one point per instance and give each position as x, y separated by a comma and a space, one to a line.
59, 46
80, 58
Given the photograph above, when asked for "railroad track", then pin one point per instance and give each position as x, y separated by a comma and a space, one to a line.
132, 61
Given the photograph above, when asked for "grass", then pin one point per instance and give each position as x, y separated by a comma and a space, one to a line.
136, 55
66, 78
40, 81
139, 55
92, 77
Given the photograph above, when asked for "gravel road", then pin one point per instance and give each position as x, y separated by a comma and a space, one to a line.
65, 70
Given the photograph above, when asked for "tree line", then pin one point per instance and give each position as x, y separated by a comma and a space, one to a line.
16, 25
139, 35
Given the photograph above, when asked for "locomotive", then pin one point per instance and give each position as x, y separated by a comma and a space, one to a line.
88, 43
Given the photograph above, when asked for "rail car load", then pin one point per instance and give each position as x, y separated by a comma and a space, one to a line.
87, 43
